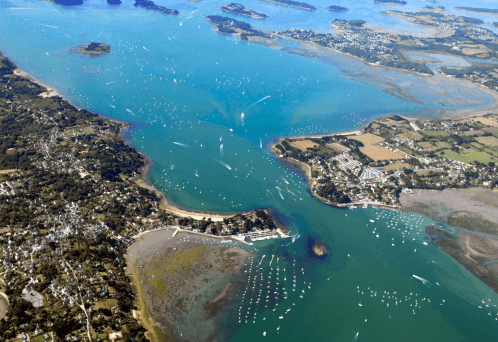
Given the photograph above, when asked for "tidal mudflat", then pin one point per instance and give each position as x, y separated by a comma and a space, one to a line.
185, 282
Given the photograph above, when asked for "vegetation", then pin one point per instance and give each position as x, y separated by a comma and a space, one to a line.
69, 208
151, 6
355, 23
477, 10
337, 8
95, 48
297, 4
437, 156
391, 2
231, 26
241, 10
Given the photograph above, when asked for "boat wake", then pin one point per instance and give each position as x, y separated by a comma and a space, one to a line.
223, 163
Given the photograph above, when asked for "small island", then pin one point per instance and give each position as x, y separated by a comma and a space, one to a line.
337, 9
95, 49
296, 4
239, 9
319, 249
477, 10
151, 6
434, 8
391, 2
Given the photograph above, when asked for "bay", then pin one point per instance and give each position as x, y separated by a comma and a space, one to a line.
185, 88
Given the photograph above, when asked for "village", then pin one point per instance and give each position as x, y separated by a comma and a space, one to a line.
70, 208
392, 155
448, 36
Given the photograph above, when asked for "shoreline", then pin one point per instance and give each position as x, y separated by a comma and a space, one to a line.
448, 113
290, 5
312, 182
141, 178
50, 91
142, 181
173, 243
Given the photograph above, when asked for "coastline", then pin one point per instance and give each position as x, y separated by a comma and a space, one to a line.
475, 246
215, 308
289, 5
182, 283
433, 79
306, 171
49, 91
141, 179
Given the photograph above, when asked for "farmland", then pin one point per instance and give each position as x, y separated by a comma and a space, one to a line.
381, 153
367, 139
304, 144
393, 154
491, 141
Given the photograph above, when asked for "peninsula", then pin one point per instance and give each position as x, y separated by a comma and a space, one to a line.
238, 9
444, 169
71, 207
301, 5
94, 49
393, 155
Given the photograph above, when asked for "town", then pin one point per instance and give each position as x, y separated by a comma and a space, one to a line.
394, 154
70, 207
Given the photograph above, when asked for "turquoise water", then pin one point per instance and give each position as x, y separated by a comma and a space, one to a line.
185, 88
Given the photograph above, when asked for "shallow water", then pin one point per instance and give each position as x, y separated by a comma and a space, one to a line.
186, 87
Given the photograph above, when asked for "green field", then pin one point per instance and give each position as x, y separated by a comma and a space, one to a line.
481, 157
493, 131
477, 145
435, 133
442, 144
427, 172
493, 151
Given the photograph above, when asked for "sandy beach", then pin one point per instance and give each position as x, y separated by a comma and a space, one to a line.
184, 280
165, 204
4, 304
49, 93
140, 180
